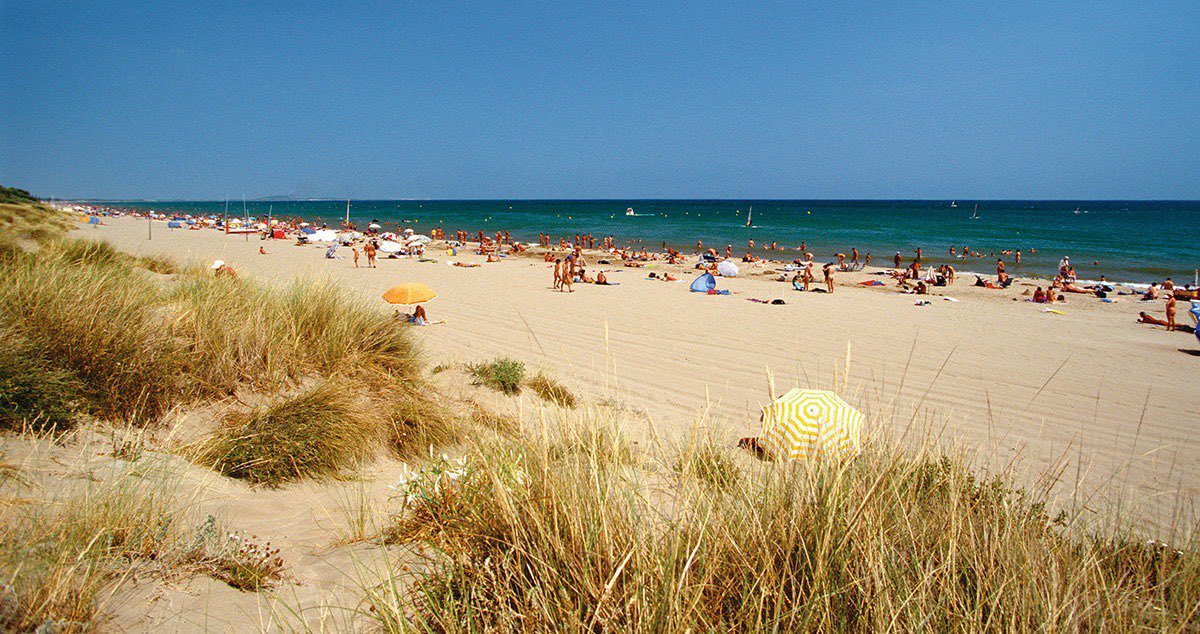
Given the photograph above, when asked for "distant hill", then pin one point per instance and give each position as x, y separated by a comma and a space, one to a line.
14, 195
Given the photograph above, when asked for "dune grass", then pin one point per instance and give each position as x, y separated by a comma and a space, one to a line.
139, 347
551, 391
57, 556
34, 394
86, 312
319, 432
529, 537
242, 333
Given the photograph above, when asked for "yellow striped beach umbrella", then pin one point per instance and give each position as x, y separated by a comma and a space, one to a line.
807, 423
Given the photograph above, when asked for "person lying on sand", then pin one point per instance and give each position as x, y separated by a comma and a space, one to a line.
1146, 318
467, 265
979, 281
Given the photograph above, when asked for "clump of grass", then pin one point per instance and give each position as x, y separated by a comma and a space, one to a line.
551, 390
891, 539
240, 560
158, 264
34, 395
58, 556
491, 419
413, 425
504, 375
319, 432
591, 440
709, 465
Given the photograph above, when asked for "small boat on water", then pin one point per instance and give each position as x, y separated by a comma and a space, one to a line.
954, 204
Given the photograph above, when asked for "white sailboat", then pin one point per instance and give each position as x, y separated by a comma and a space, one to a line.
975, 216
750, 216
347, 212
954, 204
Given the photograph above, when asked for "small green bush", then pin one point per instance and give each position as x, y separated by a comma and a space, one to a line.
504, 375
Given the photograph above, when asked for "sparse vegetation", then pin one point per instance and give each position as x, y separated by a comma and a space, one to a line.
551, 390
56, 556
238, 559
504, 375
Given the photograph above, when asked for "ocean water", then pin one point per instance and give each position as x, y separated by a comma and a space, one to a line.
1134, 241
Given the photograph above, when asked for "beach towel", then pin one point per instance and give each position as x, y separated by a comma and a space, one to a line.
871, 283
704, 283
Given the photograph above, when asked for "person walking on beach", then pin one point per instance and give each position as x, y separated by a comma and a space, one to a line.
369, 249
355, 251
567, 278
829, 266
854, 258
557, 273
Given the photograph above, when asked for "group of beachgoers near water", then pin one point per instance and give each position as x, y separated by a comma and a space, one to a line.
569, 257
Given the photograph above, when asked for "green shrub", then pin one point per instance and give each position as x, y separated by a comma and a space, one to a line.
504, 375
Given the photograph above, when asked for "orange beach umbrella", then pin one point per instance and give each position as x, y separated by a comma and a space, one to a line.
410, 293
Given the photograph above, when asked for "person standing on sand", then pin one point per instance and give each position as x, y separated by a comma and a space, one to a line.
369, 249
1171, 311
828, 268
918, 254
557, 273
867, 260
854, 257
567, 278
355, 251
896, 259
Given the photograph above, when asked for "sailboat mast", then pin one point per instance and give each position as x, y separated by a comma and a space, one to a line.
347, 212
750, 216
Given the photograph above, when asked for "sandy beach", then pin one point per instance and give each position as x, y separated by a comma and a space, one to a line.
1087, 396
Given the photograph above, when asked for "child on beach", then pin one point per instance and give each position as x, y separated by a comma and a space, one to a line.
355, 250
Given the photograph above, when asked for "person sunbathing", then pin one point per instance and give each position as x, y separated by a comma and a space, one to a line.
1072, 288
979, 281
1146, 318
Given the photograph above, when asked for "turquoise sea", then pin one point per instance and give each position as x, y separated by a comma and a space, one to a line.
1134, 241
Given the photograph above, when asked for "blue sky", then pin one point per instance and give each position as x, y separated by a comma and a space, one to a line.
637, 99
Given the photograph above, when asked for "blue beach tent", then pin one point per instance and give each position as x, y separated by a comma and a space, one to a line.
704, 283
174, 224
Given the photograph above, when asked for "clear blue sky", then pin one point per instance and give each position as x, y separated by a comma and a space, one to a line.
637, 99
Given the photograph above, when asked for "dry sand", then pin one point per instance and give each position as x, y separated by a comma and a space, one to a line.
1088, 396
